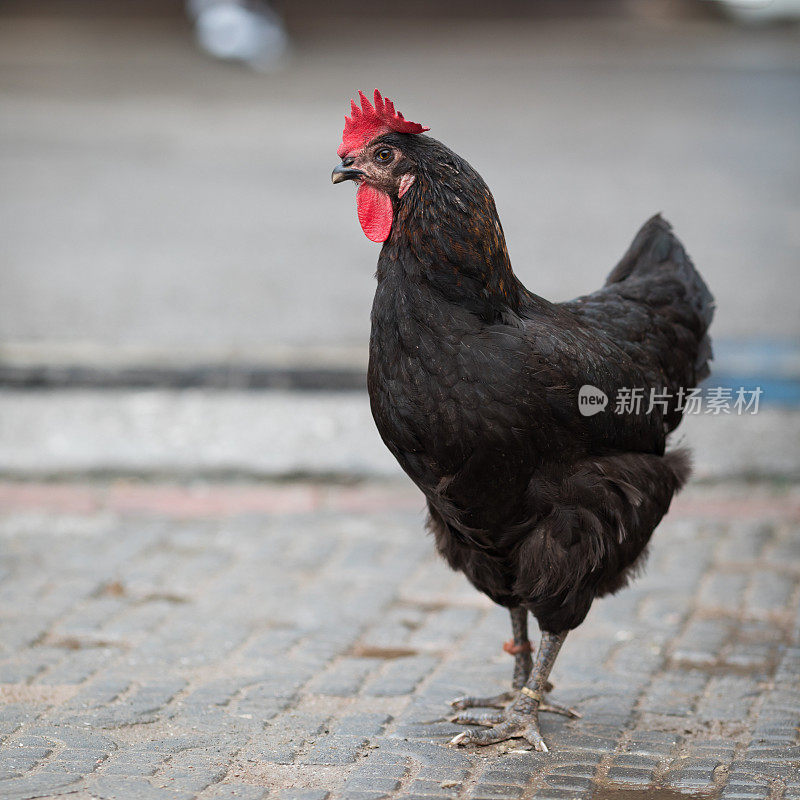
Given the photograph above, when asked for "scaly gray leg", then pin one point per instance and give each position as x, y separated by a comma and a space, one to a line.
520, 648
521, 718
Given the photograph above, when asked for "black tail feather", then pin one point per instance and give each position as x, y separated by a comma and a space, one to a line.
656, 248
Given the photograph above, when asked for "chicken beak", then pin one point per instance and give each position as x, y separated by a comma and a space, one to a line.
343, 173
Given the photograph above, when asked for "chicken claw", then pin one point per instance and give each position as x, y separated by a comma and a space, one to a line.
501, 701
495, 701
565, 711
514, 726
478, 718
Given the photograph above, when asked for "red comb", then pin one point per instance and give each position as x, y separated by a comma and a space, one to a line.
369, 121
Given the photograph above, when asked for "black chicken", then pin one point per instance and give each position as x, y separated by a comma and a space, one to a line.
474, 385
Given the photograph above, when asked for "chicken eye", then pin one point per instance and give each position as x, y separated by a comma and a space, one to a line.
383, 156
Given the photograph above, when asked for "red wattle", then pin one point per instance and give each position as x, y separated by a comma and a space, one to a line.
374, 213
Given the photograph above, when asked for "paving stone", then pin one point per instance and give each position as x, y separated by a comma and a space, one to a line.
360, 724
702, 641
286, 736
195, 769
692, 773
431, 788
333, 750
756, 657
264, 698
382, 767
40, 785
490, 791
26, 665
444, 771
77, 668
769, 592
639, 656
115, 788
372, 783
511, 774
401, 677
723, 591
744, 787
744, 542
100, 692
651, 743
585, 744
572, 782
236, 791
728, 697
442, 627
135, 762
709, 748
142, 705
792, 791
634, 760
582, 765
218, 692
674, 693
345, 677
548, 793
426, 730
773, 753
631, 775
406, 796
70, 763
17, 760
784, 548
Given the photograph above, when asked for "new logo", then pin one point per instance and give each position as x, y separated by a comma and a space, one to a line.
591, 400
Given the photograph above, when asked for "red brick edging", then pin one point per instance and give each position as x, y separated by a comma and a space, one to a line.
230, 499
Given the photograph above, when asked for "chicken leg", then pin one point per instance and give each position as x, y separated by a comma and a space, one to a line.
520, 648
521, 718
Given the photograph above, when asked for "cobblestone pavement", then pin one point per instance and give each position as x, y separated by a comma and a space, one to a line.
155, 643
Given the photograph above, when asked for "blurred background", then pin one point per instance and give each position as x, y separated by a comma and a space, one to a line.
167, 219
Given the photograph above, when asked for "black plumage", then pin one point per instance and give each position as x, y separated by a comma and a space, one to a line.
474, 382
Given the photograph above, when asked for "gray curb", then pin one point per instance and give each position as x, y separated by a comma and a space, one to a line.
193, 433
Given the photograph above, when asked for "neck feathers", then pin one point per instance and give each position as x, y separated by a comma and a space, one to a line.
447, 233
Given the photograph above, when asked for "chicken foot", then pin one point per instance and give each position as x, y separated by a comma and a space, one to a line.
521, 718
